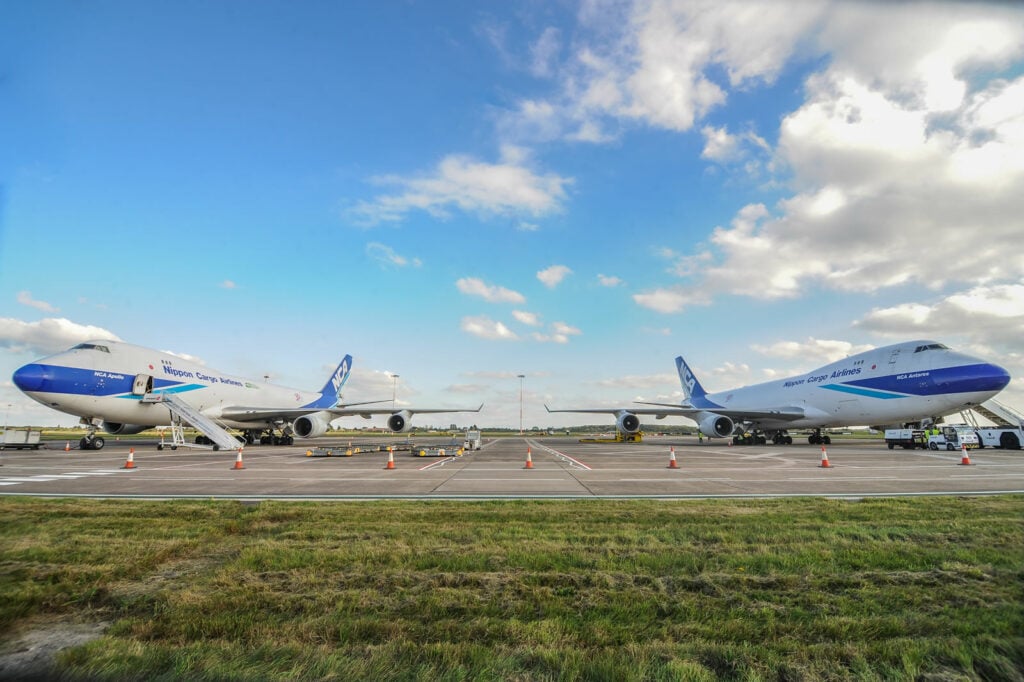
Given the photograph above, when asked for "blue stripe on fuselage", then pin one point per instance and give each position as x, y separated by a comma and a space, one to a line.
78, 381
867, 393
959, 379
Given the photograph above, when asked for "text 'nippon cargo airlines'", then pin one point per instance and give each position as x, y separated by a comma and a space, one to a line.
905, 382
126, 389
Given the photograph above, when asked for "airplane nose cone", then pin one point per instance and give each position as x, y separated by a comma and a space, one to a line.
32, 378
999, 377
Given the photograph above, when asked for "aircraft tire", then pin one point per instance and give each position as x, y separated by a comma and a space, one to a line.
98, 443
1009, 441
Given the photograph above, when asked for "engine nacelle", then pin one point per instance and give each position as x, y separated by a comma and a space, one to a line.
124, 429
310, 426
716, 426
627, 422
400, 422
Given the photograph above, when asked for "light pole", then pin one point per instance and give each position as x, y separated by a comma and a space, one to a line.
521, 377
394, 389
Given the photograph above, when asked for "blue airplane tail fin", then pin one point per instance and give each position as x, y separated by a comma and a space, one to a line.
691, 387
331, 392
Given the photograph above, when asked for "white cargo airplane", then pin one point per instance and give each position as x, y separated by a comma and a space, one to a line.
126, 389
905, 382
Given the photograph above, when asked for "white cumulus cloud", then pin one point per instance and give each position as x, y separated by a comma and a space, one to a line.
551, 277
48, 336
486, 328
472, 286
386, 256
509, 187
531, 319
25, 298
819, 351
559, 333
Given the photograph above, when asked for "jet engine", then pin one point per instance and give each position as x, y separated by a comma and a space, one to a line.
124, 429
310, 426
627, 422
400, 422
716, 426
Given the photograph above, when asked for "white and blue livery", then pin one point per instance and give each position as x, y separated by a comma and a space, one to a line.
902, 383
111, 385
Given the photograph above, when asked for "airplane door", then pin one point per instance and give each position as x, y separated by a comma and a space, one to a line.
894, 357
142, 385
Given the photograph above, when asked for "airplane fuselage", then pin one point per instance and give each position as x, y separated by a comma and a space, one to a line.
898, 383
107, 380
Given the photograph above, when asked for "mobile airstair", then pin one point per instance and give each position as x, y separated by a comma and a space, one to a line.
1000, 414
182, 412
996, 412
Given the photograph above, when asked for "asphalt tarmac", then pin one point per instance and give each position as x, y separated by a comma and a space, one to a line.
561, 468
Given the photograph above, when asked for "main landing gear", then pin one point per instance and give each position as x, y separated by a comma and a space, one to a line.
761, 438
817, 439
782, 438
267, 437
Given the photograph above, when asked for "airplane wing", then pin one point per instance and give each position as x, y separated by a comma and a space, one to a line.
782, 413
348, 411
245, 414
661, 410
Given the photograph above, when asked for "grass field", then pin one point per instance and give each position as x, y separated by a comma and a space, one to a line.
915, 589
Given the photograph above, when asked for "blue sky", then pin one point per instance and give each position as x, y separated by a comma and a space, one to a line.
463, 192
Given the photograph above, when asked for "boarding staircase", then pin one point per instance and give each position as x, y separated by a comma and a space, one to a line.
183, 412
997, 413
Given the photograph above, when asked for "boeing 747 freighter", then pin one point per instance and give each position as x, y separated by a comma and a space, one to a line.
905, 382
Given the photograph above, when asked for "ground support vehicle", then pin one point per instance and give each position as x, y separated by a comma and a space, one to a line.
437, 451
908, 439
17, 439
954, 437
1005, 437
618, 438
472, 441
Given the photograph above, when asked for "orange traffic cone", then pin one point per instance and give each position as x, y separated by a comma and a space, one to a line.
67, 446
238, 460
672, 458
529, 460
391, 459
824, 459
965, 459
130, 464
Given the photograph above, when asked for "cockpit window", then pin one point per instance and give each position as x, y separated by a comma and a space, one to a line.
91, 346
931, 346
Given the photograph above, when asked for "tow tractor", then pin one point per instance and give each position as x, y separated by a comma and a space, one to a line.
1005, 437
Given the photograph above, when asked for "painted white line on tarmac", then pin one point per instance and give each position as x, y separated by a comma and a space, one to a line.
562, 455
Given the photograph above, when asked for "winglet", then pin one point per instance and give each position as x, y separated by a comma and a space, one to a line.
691, 387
